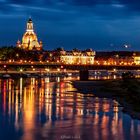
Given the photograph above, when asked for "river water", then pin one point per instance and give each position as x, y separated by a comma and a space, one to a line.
51, 109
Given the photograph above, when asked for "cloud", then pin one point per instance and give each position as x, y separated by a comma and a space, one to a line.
52, 7
132, 5
21, 1
109, 9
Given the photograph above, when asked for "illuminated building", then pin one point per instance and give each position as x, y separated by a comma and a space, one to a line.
77, 57
137, 60
114, 58
29, 39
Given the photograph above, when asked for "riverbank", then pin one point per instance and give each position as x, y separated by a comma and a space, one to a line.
127, 92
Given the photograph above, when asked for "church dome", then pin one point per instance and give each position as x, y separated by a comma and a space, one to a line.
29, 39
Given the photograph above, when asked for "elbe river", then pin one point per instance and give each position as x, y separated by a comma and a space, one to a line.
51, 109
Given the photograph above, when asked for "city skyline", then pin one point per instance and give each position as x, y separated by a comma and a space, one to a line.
100, 25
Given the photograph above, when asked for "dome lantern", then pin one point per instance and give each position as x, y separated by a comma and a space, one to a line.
30, 25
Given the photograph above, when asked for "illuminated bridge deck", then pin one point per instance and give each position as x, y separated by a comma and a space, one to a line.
67, 66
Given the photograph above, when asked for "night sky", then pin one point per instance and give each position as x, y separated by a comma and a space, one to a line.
97, 24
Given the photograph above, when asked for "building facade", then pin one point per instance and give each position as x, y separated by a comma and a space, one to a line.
77, 57
29, 39
136, 57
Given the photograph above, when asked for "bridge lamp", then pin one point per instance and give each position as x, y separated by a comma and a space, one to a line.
114, 70
47, 70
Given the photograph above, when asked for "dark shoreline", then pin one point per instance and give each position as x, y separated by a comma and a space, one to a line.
97, 87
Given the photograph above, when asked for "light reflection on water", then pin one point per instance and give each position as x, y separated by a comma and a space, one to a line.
50, 109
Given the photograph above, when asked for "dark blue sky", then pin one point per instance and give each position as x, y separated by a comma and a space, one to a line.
96, 24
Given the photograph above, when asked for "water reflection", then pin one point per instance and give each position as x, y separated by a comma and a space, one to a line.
42, 108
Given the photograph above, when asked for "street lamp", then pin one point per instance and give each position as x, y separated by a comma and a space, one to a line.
47, 70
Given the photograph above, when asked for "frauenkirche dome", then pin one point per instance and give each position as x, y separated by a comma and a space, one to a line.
29, 39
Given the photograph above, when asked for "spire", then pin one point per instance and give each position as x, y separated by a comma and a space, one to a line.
18, 44
30, 19
30, 25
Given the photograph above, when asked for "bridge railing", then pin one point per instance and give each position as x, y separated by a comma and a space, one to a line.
61, 63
